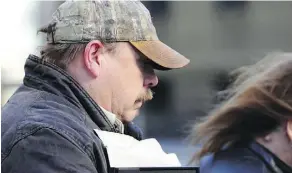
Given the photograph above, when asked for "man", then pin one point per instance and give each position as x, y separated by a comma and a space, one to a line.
95, 73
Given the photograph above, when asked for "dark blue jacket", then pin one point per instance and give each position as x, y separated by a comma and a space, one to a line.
249, 158
47, 125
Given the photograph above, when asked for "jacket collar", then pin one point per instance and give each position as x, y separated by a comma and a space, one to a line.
48, 77
274, 162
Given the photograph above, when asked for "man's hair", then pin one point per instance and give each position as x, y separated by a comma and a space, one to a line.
258, 102
63, 54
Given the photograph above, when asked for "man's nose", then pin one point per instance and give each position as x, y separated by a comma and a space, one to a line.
151, 80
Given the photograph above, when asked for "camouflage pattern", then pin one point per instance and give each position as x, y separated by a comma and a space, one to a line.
104, 20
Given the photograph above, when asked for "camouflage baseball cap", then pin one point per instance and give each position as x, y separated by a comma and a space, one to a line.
112, 21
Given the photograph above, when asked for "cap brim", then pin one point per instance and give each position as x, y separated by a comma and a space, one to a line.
161, 54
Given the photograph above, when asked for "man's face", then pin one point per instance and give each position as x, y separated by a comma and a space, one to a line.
130, 76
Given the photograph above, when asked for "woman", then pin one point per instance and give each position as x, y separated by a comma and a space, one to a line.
251, 131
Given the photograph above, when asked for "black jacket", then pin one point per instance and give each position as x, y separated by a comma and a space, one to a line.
47, 125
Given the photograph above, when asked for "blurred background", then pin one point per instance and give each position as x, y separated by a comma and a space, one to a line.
217, 36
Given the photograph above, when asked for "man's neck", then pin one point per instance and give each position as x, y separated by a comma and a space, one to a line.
113, 119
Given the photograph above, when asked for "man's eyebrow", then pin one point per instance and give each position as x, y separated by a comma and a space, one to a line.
143, 58
140, 57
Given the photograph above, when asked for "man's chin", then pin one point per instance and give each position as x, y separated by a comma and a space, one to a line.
138, 105
131, 115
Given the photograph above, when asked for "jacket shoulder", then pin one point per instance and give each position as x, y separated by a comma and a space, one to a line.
44, 111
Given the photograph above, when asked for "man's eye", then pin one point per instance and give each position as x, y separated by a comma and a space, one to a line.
147, 64
142, 63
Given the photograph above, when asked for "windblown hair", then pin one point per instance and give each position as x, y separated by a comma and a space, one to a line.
258, 102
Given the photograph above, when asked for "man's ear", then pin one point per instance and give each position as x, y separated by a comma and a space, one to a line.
92, 57
289, 129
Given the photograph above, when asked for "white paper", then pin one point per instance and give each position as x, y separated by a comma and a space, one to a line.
126, 151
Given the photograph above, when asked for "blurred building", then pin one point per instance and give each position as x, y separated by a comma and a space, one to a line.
217, 37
